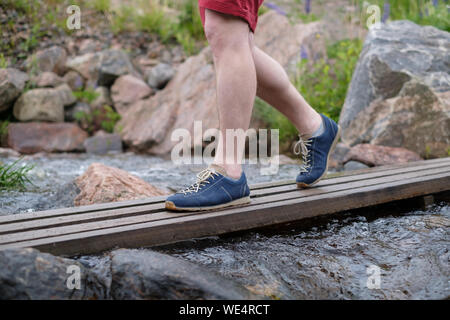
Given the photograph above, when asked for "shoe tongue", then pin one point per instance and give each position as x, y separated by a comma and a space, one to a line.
218, 169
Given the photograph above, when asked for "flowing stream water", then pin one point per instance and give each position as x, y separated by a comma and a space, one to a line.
393, 254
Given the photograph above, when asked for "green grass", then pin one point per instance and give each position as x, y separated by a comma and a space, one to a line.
184, 28
22, 6
174, 21
3, 62
4, 129
13, 176
100, 5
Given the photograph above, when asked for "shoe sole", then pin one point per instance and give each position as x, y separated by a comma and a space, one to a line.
171, 206
333, 146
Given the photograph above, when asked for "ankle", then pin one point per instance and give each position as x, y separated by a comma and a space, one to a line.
311, 126
233, 171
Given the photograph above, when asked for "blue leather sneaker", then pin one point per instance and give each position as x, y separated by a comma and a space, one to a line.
315, 153
212, 190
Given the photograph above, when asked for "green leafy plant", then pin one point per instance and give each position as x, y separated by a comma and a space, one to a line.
112, 117
100, 118
85, 120
13, 176
87, 95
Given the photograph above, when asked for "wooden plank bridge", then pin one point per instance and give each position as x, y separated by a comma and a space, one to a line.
143, 223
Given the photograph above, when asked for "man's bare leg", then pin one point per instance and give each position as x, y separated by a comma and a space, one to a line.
231, 43
275, 88
318, 133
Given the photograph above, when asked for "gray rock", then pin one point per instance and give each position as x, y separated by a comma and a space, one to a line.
126, 90
12, 82
113, 64
160, 75
406, 66
62, 198
47, 80
340, 153
7, 152
34, 137
65, 94
88, 66
29, 274
151, 275
391, 56
354, 165
52, 59
103, 143
44, 104
74, 80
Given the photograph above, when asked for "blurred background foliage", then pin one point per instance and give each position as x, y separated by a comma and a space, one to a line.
323, 83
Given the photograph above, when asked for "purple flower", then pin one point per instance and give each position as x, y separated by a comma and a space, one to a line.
274, 7
435, 3
386, 12
303, 53
308, 6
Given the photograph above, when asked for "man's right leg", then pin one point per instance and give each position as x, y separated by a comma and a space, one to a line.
231, 43
224, 184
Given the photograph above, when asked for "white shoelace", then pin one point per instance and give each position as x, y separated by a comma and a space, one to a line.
202, 179
301, 148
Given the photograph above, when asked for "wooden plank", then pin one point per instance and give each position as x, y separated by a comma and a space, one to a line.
147, 205
360, 177
109, 214
153, 209
263, 185
215, 223
274, 198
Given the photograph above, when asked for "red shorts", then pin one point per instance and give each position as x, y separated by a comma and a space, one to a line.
246, 9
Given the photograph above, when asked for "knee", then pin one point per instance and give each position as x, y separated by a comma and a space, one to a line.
214, 30
222, 36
